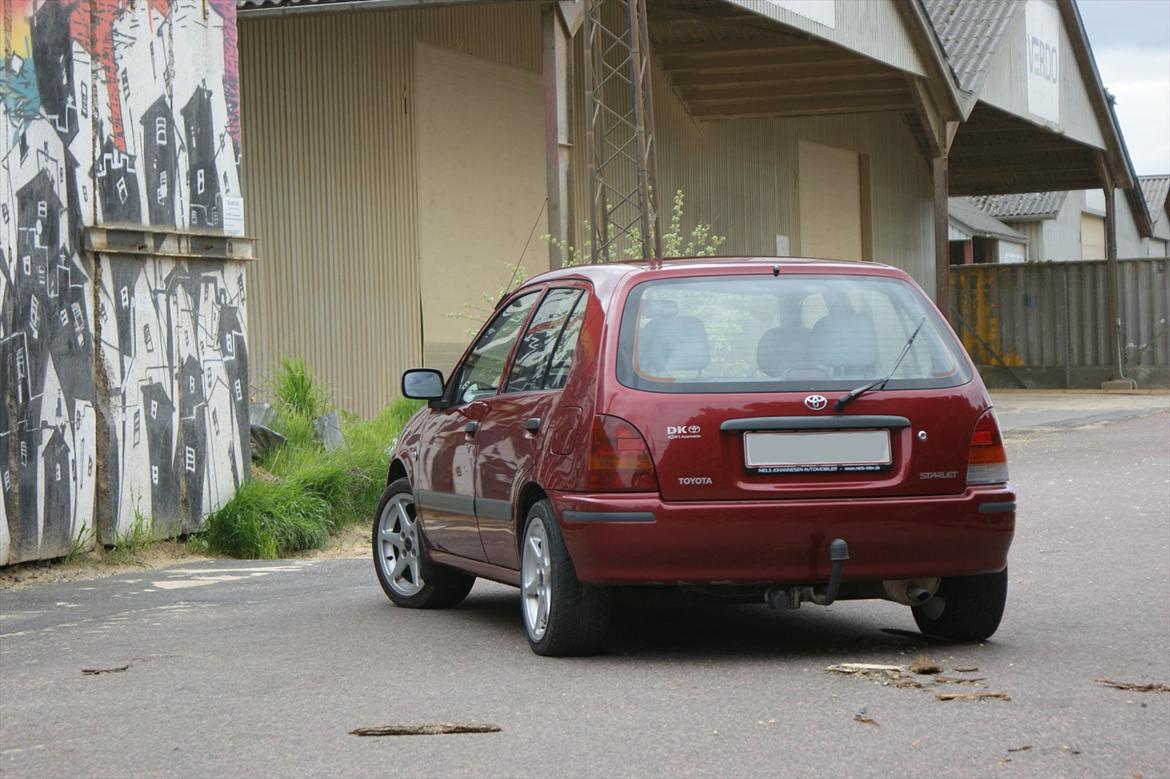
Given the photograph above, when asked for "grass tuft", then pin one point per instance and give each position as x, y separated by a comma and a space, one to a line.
307, 493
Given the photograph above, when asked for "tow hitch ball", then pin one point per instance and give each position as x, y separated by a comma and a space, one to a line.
792, 597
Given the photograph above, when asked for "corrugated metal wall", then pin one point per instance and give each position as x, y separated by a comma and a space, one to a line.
1053, 314
332, 182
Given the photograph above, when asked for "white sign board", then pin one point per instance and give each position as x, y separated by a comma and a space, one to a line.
233, 215
820, 11
1042, 28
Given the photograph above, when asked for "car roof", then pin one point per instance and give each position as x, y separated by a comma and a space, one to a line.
607, 275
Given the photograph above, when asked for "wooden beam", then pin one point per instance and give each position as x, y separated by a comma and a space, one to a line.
557, 61
813, 83
942, 249
1112, 270
753, 93
682, 63
804, 107
743, 46
773, 72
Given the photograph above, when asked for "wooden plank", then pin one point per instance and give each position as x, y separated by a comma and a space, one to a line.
682, 63
739, 46
806, 107
774, 72
942, 259
752, 92
731, 81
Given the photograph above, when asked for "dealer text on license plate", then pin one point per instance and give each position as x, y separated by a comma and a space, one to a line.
817, 452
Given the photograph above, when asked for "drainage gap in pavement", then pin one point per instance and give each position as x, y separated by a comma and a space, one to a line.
428, 729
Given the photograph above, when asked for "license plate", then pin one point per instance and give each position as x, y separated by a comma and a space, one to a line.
817, 452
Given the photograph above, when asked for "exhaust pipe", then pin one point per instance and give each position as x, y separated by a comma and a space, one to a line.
917, 596
910, 592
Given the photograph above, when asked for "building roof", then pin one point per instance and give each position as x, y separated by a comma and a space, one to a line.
1031, 206
1154, 190
970, 33
968, 218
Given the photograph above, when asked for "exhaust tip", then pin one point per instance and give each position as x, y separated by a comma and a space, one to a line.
917, 595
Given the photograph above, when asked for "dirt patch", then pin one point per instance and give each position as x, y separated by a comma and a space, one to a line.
351, 542
98, 564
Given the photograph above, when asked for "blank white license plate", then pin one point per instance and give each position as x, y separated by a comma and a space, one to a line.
817, 452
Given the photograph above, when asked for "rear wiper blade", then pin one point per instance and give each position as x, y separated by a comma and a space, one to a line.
854, 394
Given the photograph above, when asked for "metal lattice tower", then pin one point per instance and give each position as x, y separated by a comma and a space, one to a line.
619, 110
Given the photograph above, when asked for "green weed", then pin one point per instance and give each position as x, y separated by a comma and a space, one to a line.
307, 493
129, 545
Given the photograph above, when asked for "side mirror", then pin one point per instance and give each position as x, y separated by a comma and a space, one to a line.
422, 384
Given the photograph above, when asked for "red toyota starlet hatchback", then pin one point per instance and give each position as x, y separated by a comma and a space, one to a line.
785, 431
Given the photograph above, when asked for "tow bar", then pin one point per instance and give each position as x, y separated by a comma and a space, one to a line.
792, 597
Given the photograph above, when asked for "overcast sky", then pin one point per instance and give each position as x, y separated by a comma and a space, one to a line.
1131, 41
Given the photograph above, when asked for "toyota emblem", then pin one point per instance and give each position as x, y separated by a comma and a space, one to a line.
816, 402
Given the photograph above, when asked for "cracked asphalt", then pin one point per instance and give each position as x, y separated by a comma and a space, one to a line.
262, 668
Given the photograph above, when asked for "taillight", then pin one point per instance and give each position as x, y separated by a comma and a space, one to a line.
987, 463
618, 457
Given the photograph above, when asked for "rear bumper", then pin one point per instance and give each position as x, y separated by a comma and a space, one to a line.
636, 538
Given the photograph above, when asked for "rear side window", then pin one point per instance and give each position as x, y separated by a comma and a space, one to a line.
782, 333
547, 343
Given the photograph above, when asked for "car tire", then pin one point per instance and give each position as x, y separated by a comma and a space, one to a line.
562, 617
407, 575
965, 608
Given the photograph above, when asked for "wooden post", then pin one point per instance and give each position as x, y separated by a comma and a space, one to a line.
1112, 282
942, 258
556, 38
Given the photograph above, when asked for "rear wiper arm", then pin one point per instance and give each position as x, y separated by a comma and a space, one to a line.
854, 394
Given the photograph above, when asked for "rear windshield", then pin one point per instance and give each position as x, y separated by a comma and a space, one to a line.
764, 333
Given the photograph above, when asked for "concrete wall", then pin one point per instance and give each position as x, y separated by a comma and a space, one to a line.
124, 376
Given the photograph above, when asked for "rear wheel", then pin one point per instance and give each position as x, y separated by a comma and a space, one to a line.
400, 557
562, 616
965, 608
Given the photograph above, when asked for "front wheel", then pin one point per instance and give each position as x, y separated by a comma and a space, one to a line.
400, 559
562, 616
965, 608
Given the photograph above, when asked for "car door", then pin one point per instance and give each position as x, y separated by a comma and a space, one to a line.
510, 434
445, 482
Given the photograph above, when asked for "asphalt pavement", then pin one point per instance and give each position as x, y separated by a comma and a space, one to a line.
263, 669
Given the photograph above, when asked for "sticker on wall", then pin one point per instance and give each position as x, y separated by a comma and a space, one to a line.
233, 215
1042, 28
820, 11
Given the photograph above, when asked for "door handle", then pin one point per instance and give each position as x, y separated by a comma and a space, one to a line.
532, 425
471, 428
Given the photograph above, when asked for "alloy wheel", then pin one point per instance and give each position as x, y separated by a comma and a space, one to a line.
399, 542
536, 579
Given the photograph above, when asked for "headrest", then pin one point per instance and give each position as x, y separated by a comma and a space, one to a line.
673, 343
845, 340
783, 348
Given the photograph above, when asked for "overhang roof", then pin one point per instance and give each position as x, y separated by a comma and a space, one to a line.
970, 33
971, 220
1024, 207
1155, 190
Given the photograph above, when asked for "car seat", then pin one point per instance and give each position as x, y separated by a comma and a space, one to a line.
673, 343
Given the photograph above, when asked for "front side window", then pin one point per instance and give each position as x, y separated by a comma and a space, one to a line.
479, 376
787, 333
531, 366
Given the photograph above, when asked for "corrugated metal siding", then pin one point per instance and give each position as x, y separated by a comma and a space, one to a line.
1006, 86
971, 33
741, 177
330, 175
1053, 313
874, 28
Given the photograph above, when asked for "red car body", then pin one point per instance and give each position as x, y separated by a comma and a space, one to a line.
477, 468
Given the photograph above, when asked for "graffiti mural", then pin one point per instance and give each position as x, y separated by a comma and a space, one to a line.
123, 377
